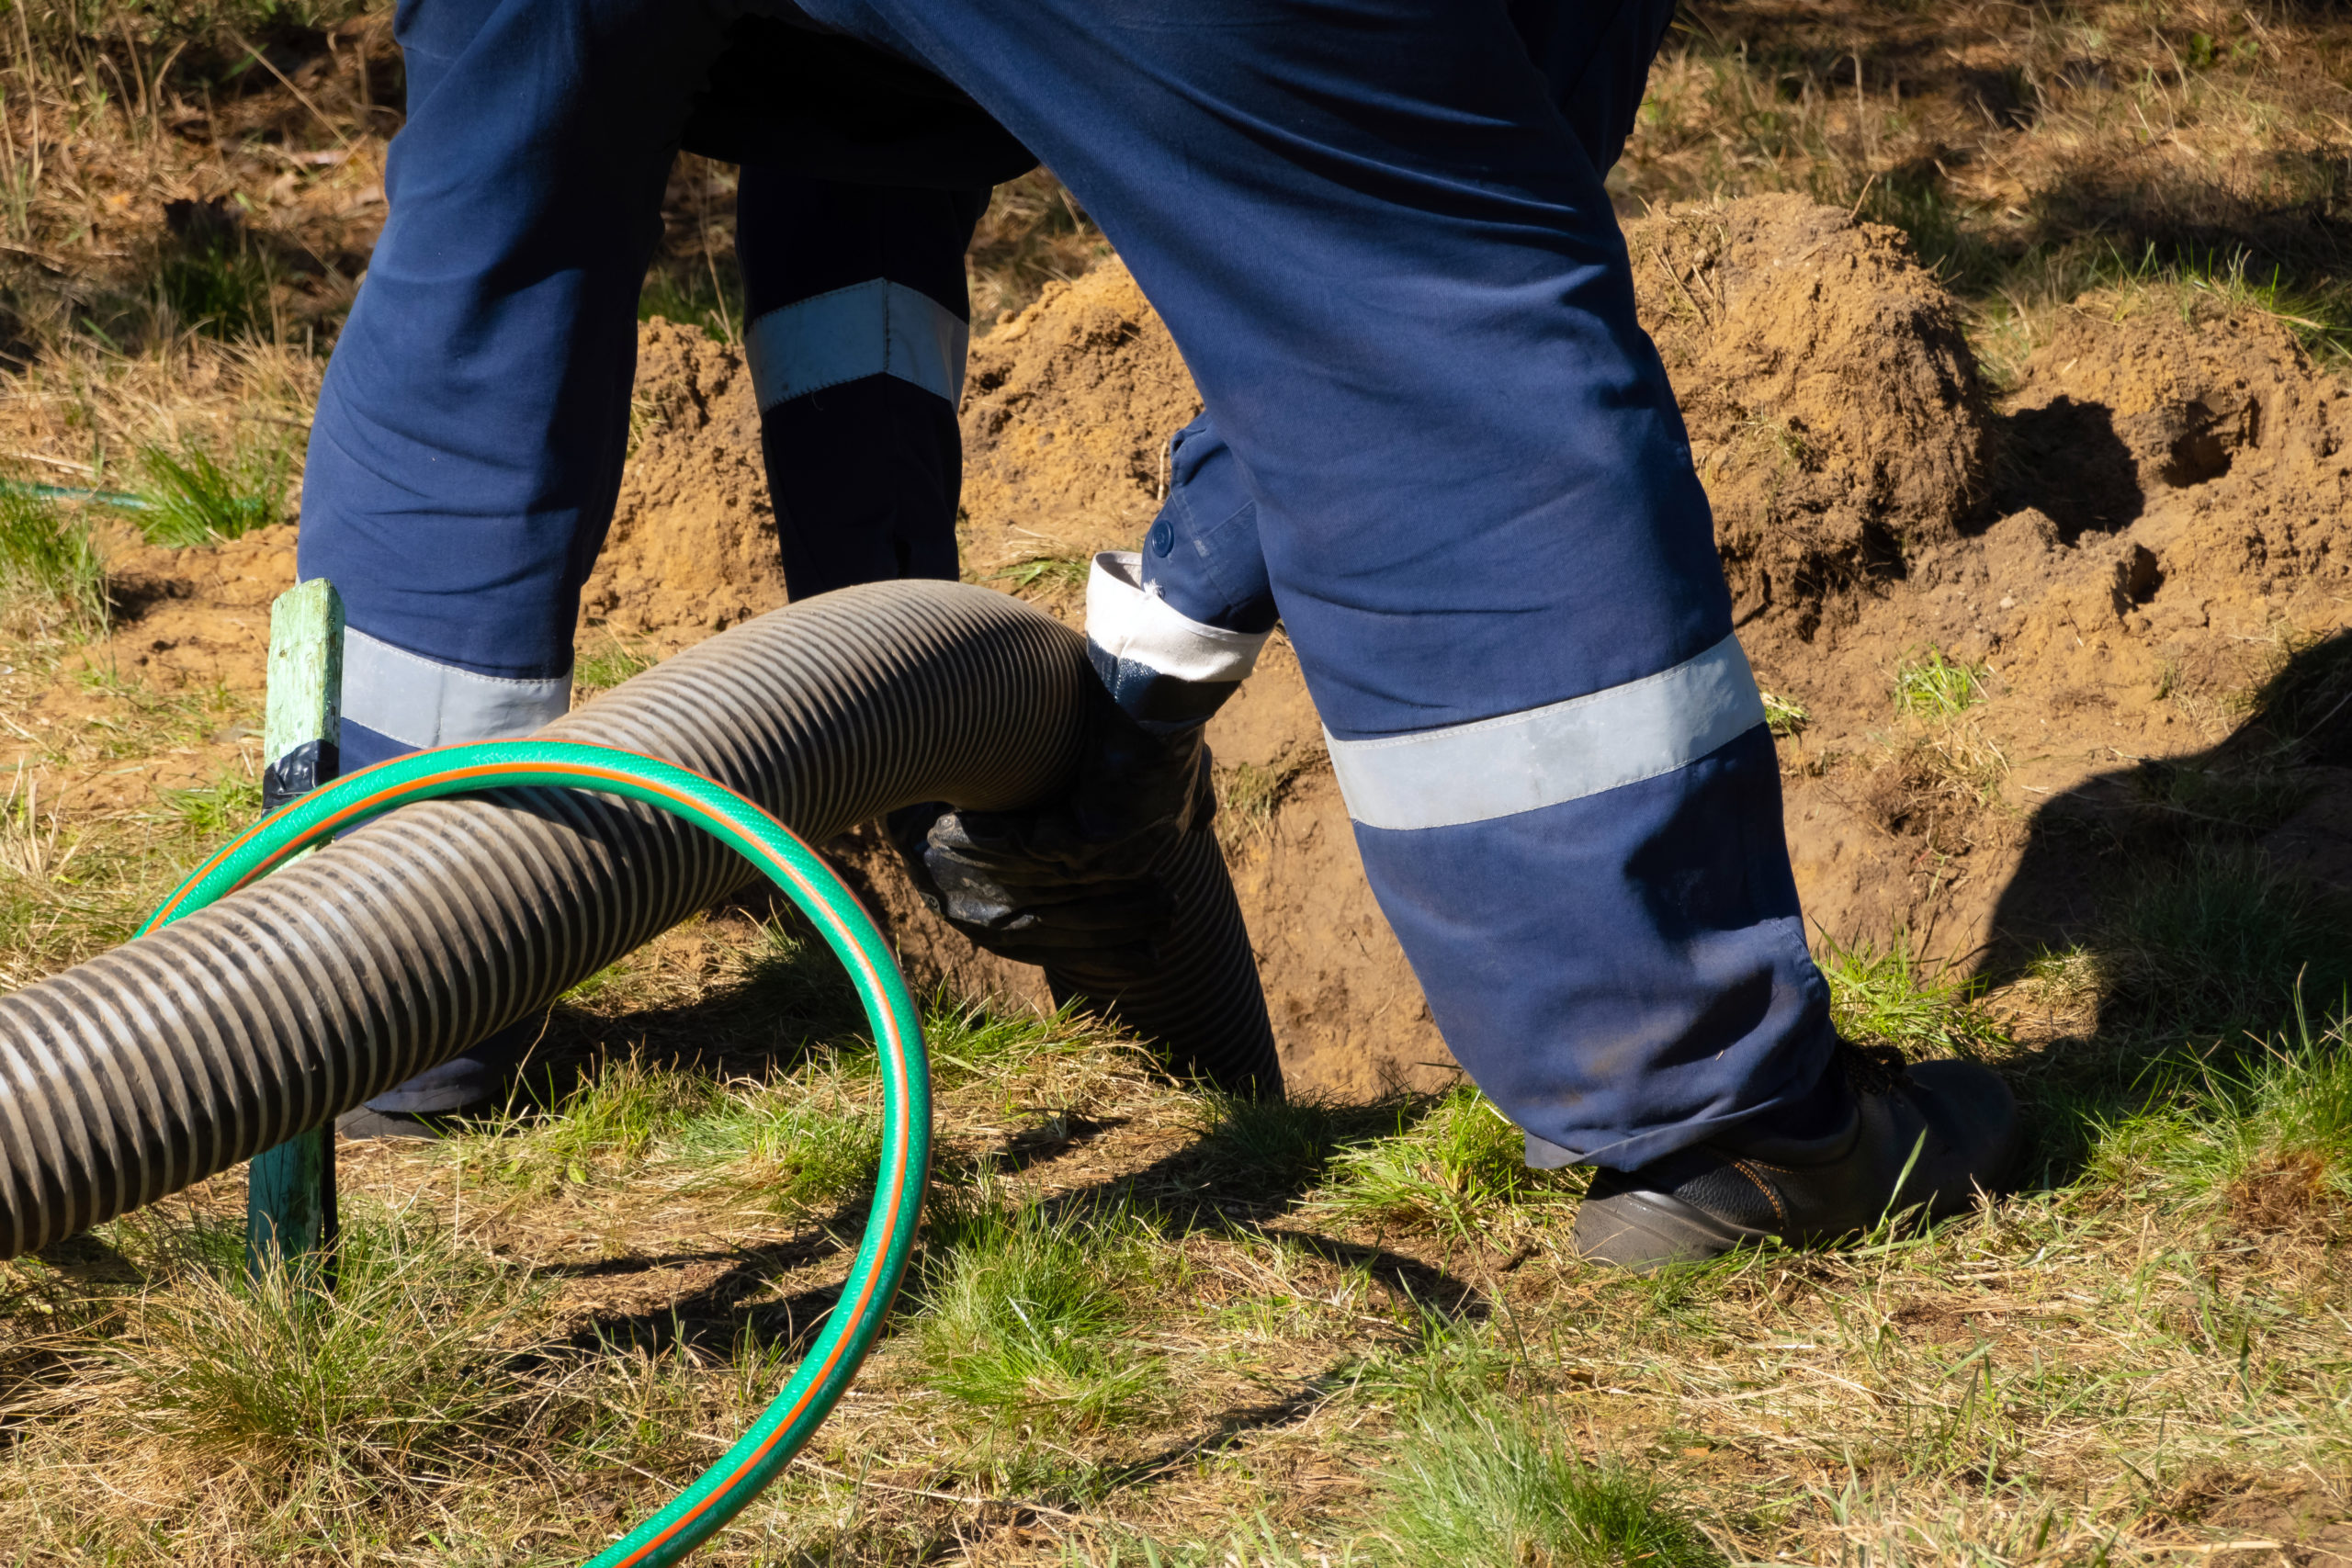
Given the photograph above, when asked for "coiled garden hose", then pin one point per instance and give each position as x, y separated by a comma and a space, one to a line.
825, 1371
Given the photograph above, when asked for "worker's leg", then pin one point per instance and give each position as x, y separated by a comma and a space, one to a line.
856, 325
1202, 553
468, 446
1392, 271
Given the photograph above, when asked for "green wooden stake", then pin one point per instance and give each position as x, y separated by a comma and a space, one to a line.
289, 1191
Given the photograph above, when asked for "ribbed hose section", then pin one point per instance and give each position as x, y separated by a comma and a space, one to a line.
180, 1054
1201, 1002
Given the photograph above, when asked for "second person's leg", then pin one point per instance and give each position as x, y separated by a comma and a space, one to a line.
856, 325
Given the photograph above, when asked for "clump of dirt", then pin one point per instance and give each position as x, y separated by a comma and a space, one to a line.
1067, 409
1834, 405
195, 617
693, 547
2168, 495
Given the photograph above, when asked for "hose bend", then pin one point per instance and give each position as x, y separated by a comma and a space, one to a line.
178, 1055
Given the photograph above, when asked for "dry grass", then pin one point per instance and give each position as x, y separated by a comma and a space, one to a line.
2032, 154
1147, 1328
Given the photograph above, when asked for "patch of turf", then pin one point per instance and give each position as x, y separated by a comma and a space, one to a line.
227, 805
1452, 1168
217, 283
969, 1041
390, 1371
779, 1144
1280, 1145
610, 665
602, 1130
2218, 940
1044, 574
1884, 997
193, 500
1932, 686
1495, 1480
49, 567
2269, 1136
2243, 800
1024, 1317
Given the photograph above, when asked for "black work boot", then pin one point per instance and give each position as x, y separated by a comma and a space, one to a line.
1934, 1134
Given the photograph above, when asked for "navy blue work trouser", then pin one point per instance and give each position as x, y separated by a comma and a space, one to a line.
1436, 443
466, 454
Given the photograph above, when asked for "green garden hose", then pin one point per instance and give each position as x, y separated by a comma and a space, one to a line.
114, 498
824, 1373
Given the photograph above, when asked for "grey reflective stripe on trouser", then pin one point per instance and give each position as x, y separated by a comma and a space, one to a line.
419, 701
876, 328
1522, 762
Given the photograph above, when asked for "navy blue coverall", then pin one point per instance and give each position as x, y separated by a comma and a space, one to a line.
1437, 446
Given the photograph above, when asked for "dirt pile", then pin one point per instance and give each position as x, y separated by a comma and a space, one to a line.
2168, 505
195, 617
1067, 409
1834, 405
693, 546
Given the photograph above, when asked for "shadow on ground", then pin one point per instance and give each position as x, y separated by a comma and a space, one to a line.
2181, 908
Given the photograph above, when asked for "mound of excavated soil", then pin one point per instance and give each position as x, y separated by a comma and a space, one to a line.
693, 546
197, 617
2122, 541
1834, 407
1067, 409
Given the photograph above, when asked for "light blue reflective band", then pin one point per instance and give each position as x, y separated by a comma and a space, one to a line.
1524, 761
420, 702
876, 328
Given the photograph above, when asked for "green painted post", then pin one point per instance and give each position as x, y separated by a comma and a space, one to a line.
289, 1191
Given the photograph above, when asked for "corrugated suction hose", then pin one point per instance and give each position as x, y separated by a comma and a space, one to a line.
176, 1056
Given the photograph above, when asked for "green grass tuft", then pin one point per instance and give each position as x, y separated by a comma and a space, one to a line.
1024, 1318
1784, 718
1450, 1170
2218, 940
611, 665
703, 291
602, 1130
2244, 799
218, 284
1491, 1480
969, 1042
49, 564
2270, 1135
795, 1153
1046, 574
395, 1369
193, 500
1932, 686
225, 805
1280, 1145
1882, 998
